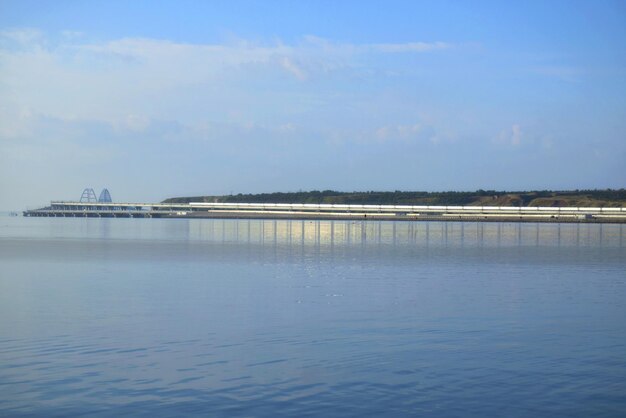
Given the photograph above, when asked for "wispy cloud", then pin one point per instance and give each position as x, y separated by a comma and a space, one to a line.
310, 54
292, 68
72, 34
22, 36
409, 47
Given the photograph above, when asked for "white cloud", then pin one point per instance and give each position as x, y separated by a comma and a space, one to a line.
516, 135
131, 81
512, 136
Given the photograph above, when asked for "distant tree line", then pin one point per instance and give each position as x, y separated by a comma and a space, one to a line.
525, 198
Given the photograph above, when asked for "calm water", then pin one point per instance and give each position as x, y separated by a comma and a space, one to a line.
138, 317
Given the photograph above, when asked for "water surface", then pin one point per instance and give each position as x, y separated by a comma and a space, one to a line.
149, 317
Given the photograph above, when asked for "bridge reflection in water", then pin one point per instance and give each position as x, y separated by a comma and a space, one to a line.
437, 234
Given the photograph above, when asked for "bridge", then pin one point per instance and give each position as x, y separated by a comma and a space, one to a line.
330, 211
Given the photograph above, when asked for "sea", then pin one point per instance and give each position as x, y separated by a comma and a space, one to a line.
280, 318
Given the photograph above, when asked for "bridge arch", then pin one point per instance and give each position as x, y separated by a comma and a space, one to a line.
88, 196
105, 196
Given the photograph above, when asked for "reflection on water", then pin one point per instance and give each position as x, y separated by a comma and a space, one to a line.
331, 233
323, 233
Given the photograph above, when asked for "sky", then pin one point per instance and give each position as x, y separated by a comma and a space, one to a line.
156, 99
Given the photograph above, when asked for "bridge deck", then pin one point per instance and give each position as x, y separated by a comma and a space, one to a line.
329, 211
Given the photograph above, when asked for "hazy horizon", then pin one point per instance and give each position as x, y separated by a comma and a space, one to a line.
157, 100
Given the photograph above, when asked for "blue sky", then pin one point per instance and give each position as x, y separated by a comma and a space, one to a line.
159, 99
